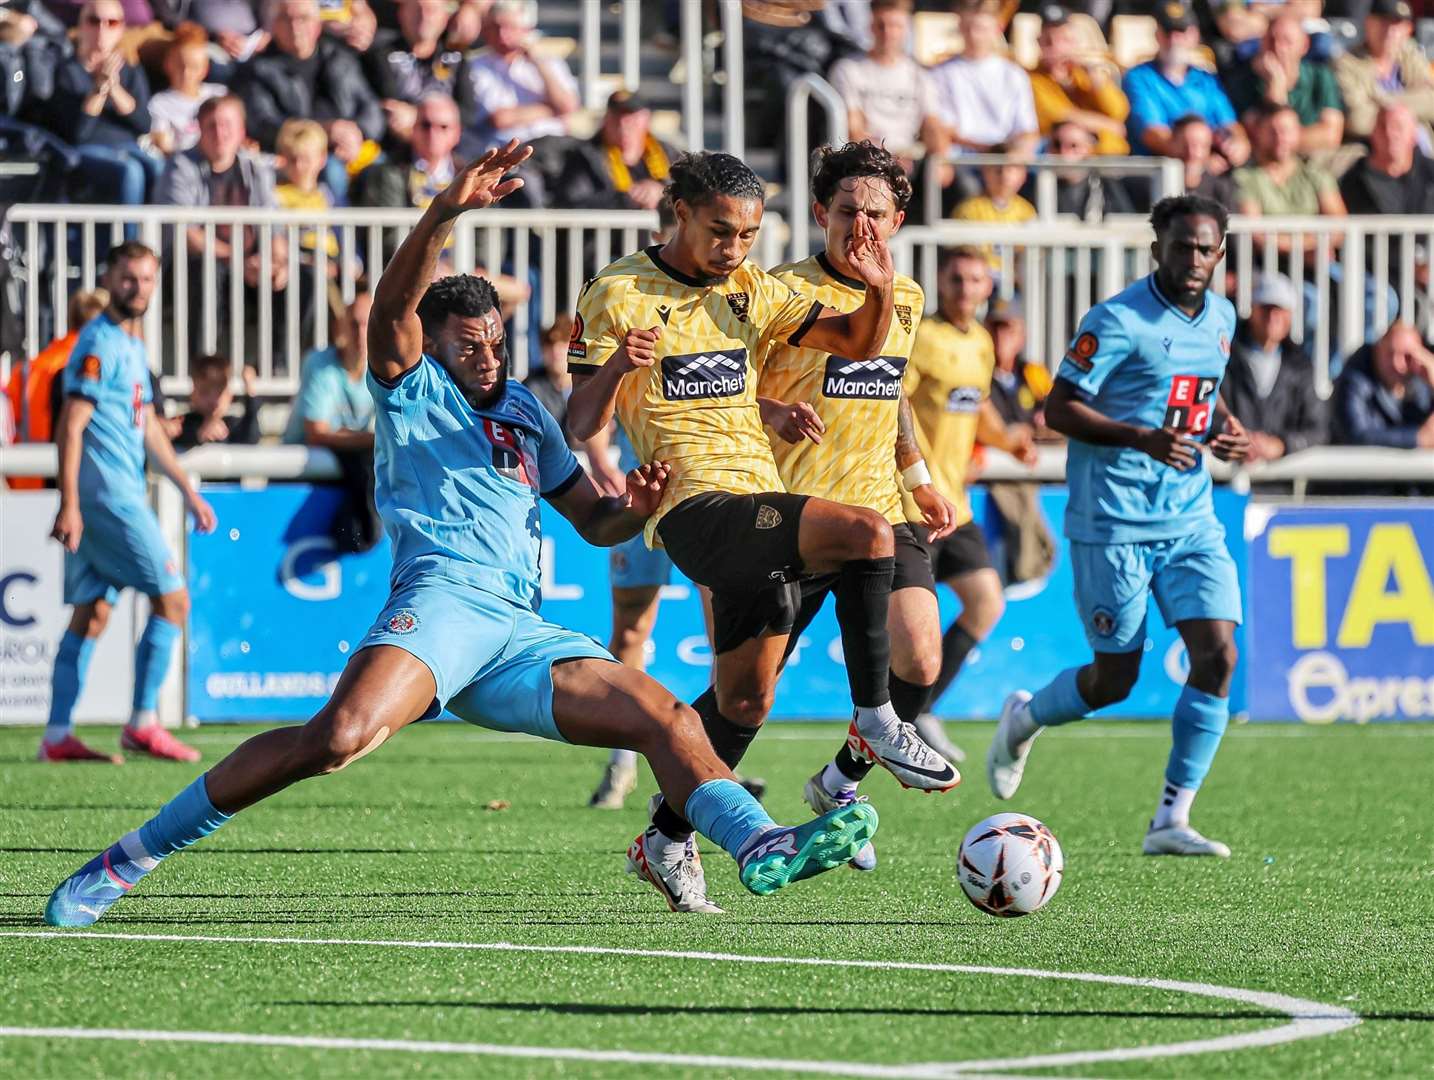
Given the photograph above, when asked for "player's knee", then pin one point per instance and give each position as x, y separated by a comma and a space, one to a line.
91, 622
920, 666
173, 607
871, 536
986, 613
335, 738
1214, 666
746, 707
1112, 685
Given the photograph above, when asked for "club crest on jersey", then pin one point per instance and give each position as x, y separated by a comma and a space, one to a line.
1082, 350
404, 621
90, 367
964, 399
716, 374
1224, 345
1103, 621
877, 380
903, 316
577, 349
768, 517
739, 302
1189, 403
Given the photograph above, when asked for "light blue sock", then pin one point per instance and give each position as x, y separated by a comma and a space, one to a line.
151, 661
725, 812
1197, 724
72, 660
185, 819
1059, 701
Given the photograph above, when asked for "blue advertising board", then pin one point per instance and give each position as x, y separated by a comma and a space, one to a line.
1342, 613
276, 614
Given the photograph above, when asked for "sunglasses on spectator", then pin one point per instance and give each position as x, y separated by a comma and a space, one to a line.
98, 20
435, 125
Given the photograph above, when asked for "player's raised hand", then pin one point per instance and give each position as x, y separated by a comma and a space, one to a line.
638, 349
481, 183
1233, 442
868, 254
1170, 447
936, 511
205, 520
69, 527
645, 487
792, 422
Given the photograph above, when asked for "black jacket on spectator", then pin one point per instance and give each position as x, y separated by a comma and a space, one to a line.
396, 73
1293, 412
63, 114
577, 176
1092, 197
243, 429
329, 85
1366, 190
1367, 414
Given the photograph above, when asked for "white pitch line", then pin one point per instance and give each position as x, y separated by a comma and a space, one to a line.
1308, 1019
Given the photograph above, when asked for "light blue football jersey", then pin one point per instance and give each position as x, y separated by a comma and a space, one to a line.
1139, 359
458, 488
110, 368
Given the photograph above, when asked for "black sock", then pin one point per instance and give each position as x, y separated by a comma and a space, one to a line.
908, 699
851, 766
729, 740
863, 595
955, 644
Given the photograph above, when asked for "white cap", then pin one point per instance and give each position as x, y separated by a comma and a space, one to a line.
1274, 290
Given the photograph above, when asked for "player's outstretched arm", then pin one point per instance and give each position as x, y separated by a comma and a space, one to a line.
860, 334
395, 335
70, 430
161, 452
606, 520
1073, 418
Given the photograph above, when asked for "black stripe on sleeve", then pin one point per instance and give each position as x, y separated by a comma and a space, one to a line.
567, 485
812, 316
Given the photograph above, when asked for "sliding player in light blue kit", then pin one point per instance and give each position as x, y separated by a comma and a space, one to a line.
461, 457
1137, 394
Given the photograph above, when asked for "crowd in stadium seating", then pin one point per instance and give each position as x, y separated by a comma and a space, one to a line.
313, 103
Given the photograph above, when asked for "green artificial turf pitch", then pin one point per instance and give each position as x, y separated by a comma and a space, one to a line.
1329, 897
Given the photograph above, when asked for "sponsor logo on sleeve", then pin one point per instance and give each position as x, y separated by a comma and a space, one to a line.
964, 399
90, 367
1083, 350
577, 349
715, 374
877, 380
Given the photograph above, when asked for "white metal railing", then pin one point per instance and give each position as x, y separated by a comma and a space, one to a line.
799, 150
516, 242
1060, 269
1167, 175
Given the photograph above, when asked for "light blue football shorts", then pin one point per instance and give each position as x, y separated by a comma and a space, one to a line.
1192, 577
491, 657
121, 548
634, 565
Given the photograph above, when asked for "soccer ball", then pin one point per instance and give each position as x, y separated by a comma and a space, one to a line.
1009, 865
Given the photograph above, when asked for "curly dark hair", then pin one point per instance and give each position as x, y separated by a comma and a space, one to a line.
465, 295
1176, 206
699, 178
833, 164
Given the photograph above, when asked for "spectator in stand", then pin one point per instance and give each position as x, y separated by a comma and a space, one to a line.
1001, 202
1281, 74
553, 383
33, 385
1067, 90
1270, 384
100, 105
1387, 68
509, 93
1088, 195
1192, 142
410, 63
210, 400
233, 25
306, 74
174, 113
1018, 387
889, 96
350, 21
983, 99
1395, 178
623, 167
334, 408
1383, 396
302, 150
1167, 88
219, 172
1280, 183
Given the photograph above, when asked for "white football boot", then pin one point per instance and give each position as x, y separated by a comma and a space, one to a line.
614, 788
823, 801
1181, 840
673, 869
1005, 764
930, 728
898, 749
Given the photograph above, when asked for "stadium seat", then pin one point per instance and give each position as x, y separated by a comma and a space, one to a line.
1132, 39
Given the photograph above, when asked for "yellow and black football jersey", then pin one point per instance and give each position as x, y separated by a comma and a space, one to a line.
857, 400
948, 377
696, 407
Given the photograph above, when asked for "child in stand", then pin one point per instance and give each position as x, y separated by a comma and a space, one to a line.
210, 399
303, 149
174, 113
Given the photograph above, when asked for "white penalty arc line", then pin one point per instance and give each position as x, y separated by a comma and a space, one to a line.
1308, 1019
